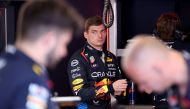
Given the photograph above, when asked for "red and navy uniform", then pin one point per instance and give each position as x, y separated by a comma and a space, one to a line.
174, 99
161, 101
91, 73
22, 82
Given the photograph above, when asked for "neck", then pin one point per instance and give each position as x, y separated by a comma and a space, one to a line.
96, 47
32, 50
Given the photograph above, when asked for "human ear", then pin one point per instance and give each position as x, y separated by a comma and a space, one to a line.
85, 35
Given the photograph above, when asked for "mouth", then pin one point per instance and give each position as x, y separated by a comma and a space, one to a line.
100, 40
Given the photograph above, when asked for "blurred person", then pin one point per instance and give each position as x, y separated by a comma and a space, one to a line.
93, 71
44, 30
155, 68
168, 29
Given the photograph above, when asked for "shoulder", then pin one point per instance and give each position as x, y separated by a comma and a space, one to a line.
12, 69
78, 55
110, 54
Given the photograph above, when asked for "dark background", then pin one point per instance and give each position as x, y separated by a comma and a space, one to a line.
2, 29
134, 17
140, 16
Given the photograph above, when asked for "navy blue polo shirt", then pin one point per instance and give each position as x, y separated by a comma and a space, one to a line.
22, 82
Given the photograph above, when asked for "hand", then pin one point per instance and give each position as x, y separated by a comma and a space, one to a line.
120, 85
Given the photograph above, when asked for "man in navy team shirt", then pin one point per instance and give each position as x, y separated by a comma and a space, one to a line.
44, 30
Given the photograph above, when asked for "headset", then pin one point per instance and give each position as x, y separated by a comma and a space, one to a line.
177, 34
172, 20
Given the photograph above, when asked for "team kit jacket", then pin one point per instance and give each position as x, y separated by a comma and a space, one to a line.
161, 100
174, 98
91, 74
23, 83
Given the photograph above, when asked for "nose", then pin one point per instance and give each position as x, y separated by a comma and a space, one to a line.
65, 53
141, 89
145, 89
100, 35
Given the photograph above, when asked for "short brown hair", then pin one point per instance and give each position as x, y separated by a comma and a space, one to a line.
166, 25
36, 15
95, 20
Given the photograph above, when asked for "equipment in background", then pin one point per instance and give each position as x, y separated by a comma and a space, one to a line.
69, 101
108, 15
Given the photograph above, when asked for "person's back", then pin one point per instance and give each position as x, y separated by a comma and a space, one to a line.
22, 82
44, 29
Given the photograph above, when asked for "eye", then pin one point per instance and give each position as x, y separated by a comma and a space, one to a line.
103, 31
94, 32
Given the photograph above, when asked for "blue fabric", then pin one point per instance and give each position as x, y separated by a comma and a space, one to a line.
18, 81
82, 106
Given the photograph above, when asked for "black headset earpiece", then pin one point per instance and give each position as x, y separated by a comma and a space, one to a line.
155, 33
178, 34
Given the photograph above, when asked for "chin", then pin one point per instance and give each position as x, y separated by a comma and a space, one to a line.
148, 92
99, 45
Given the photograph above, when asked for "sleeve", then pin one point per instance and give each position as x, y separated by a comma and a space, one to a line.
118, 69
119, 76
80, 84
31, 96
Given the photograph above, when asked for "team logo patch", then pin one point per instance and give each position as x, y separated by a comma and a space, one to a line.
37, 69
37, 97
94, 65
92, 59
86, 54
97, 74
74, 62
2, 63
75, 70
96, 102
173, 101
102, 91
103, 82
75, 88
108, 59
77, 81
75, 75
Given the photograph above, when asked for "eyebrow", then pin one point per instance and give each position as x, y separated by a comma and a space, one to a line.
94, 30
97, 30
103, 30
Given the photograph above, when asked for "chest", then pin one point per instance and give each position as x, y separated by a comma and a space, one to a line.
98, 68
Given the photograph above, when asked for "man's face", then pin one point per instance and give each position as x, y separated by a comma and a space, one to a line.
59, 49
148, 77
96, 36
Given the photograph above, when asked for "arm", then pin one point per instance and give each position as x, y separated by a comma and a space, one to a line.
119, 77
31, 95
